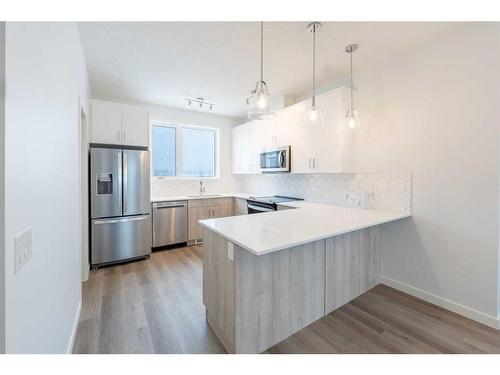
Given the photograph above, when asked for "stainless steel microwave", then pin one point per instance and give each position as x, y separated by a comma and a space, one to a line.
274, 160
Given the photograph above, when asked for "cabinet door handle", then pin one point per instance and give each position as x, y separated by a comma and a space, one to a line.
309, 163
314, 163
118, 135
124, 135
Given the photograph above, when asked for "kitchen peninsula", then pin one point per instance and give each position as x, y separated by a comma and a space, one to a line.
267, 276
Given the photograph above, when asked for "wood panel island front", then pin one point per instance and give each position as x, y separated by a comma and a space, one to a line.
266, 276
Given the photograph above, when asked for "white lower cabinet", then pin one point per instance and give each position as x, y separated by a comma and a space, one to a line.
314, 149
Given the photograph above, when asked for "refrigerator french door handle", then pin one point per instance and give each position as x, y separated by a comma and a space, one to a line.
125, 180
120, 179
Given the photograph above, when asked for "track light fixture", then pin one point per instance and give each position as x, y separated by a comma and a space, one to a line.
202, 103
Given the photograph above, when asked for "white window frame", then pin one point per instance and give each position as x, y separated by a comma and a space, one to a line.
178, 149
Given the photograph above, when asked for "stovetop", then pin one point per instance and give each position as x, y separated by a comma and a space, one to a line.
273, 199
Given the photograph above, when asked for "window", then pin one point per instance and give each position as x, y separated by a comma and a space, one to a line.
184, 151
164, 151
198, 152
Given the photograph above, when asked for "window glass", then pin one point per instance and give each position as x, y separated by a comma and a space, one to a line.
198, 152
163, 151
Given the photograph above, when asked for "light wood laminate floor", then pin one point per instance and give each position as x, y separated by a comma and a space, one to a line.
155, 306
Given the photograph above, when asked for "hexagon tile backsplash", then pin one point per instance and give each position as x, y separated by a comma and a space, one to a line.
386, 191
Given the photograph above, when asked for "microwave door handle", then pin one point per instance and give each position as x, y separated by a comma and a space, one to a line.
282, 159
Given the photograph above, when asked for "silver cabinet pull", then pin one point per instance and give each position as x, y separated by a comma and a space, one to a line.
314, 163
117, 135
124, 135
309, 163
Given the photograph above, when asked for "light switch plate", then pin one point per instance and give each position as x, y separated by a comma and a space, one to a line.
22, 249
230, 250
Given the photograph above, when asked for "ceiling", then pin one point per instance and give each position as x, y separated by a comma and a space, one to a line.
164, 62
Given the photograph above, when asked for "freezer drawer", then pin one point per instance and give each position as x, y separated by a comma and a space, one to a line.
118, 239
169, 223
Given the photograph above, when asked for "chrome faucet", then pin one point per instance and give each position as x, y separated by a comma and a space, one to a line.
202, 188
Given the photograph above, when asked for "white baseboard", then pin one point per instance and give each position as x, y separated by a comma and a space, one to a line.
488, 320
71, 342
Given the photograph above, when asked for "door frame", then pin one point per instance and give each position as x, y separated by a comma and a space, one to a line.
83, 197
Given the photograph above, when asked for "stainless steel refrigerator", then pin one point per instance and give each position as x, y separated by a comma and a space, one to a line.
120, 207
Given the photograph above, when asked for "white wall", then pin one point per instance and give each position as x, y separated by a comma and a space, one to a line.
2, 187
165, 187
45, 75
434, 111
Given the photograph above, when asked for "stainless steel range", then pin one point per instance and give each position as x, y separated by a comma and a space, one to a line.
120, 207
257, 205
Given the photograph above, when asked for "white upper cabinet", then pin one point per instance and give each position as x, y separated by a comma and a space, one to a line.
135, 125
314, 149
121, 124
106, 122
246, 148
266, 133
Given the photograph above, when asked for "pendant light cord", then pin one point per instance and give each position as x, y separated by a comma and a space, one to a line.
352, 87
262, 51
314, 67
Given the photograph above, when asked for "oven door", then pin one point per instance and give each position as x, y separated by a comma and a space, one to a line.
275, 160
255, 207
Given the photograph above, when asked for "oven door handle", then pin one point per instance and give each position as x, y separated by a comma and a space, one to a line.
259, 208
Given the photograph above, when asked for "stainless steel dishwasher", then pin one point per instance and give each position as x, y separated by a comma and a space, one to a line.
169, 223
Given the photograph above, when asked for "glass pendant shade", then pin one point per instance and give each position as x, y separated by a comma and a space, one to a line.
259, 103
352, 121
314, 116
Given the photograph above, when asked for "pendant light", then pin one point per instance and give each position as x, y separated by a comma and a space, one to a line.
259, 102
314, 116
352, 123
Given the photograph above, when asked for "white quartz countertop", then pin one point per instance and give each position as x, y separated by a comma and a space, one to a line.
194, 196
272, 231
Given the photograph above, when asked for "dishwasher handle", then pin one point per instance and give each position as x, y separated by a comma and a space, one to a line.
172, 206
159, 206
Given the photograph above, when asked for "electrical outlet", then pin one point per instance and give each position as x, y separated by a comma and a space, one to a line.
22, 249
230, 250
356, 199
